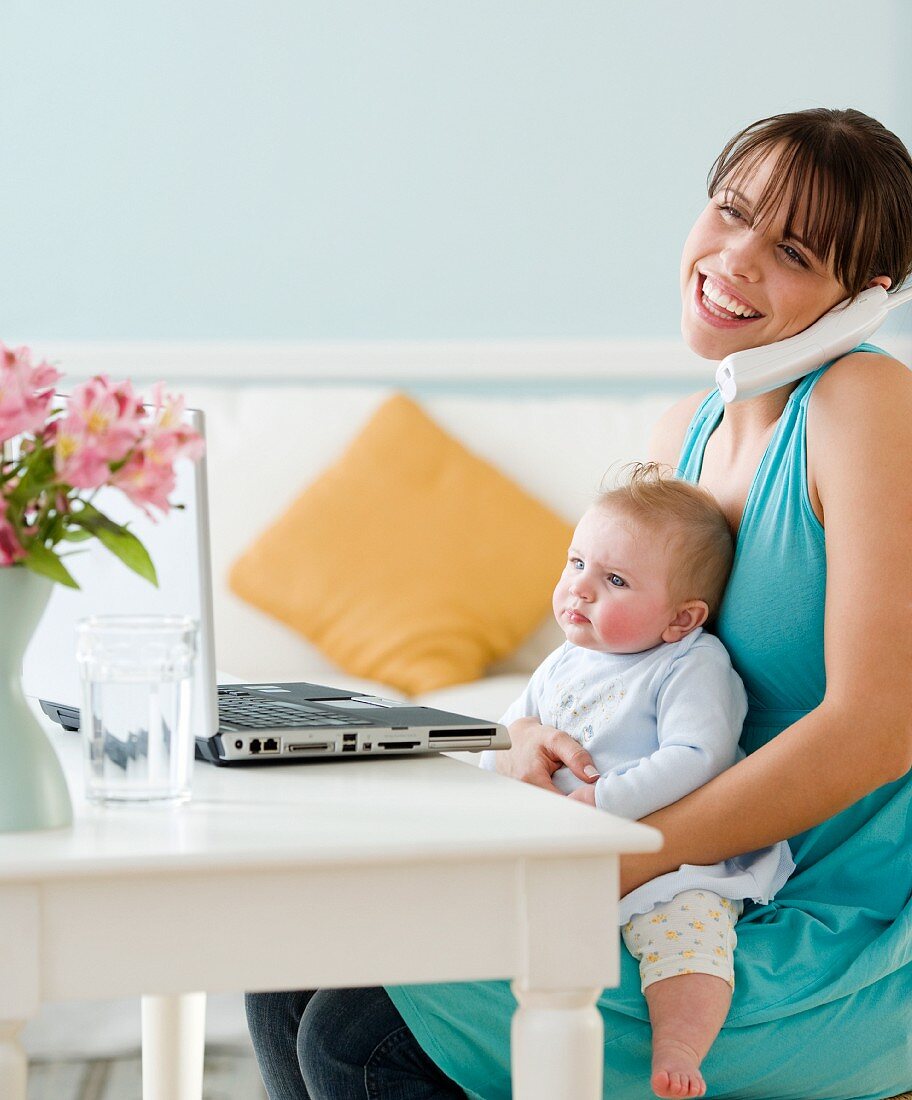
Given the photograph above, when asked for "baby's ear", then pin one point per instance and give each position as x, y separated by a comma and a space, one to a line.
689, 616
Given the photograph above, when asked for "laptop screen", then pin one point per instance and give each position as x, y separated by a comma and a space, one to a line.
178, 544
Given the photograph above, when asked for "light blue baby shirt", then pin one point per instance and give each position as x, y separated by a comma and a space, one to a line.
657, 724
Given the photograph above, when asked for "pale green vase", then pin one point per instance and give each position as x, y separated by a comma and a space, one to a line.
33, 789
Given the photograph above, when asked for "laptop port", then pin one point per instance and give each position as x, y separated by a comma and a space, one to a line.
239, 744
398, 744
349, 748
455, 731
255, 745
270, 745
310, 746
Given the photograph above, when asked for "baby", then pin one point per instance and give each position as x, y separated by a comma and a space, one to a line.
655, 701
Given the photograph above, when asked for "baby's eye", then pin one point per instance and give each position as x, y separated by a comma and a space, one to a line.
616, 581
576, 563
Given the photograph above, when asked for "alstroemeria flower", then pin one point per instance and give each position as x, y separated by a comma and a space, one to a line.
147, 477
171, 437
26, 392
104, 435
146, 480
10, 549
102, 425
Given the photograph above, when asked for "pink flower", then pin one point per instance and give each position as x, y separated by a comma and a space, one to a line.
102, 425
104, 436
10, 549
147, 477
26, 392
173, 437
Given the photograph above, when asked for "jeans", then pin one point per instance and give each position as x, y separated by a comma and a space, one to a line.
340, 1044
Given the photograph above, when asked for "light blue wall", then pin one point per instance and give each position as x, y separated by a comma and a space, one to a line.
287, 169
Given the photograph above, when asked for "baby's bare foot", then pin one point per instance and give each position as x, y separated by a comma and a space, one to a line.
676, 1070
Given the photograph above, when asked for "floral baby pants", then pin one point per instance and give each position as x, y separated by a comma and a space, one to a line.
694, 933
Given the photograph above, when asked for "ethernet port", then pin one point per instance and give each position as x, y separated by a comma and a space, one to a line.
270, 745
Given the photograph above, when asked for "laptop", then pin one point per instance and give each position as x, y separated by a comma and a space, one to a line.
234, 724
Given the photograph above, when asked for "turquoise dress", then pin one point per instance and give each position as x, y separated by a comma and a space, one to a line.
822, 1006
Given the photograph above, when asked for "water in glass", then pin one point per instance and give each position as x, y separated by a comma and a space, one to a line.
137, 704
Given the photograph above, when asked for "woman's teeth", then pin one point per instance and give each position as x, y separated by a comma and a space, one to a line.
729, 305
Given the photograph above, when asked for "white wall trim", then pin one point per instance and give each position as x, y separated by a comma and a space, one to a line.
612, 361
411, 360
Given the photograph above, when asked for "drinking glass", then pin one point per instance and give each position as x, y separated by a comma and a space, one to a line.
137, 683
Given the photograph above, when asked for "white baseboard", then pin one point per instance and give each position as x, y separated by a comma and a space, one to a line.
643, 363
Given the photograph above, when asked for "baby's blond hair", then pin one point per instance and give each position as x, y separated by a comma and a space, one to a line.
699, 538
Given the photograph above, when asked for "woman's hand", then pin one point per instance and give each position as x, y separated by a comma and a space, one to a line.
538, 751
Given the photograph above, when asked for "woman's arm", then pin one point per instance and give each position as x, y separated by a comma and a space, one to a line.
859, 458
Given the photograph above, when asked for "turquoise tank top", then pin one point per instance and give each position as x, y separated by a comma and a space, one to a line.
823, 981
777, 584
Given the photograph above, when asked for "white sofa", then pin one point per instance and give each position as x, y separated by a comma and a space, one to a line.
265, 442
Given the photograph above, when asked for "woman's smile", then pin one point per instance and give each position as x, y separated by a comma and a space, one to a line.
720, 306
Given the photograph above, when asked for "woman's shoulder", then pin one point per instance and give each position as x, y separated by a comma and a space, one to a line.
859, 424
671, 427
868, 376
860, 391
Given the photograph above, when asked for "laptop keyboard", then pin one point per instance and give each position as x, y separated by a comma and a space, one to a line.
245, 712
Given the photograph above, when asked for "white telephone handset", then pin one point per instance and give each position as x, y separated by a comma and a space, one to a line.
747, 373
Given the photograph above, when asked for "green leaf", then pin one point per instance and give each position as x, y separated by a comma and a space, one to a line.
79, 534
121, 542
42, 560
37, 475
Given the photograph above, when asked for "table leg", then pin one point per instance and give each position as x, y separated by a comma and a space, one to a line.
173, 1042
557, 1050
13, 1062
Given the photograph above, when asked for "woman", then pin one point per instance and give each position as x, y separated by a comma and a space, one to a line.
805, 210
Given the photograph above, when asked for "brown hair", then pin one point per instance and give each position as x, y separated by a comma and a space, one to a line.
848, 184
699, 538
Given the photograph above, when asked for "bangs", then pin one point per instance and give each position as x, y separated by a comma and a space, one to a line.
813, 182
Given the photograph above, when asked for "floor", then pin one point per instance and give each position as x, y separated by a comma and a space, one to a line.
229, 1074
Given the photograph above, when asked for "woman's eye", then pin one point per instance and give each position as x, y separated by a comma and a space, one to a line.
792, 256
616, 581
730, 212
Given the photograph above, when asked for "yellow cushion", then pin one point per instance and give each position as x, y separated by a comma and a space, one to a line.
410, 560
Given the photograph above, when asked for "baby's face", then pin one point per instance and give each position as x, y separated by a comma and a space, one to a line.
613, 594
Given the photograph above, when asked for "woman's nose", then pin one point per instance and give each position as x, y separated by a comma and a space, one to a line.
741, 260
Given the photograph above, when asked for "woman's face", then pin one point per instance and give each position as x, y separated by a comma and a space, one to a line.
743, 283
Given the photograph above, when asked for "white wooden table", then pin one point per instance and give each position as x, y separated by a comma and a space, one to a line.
325, 874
